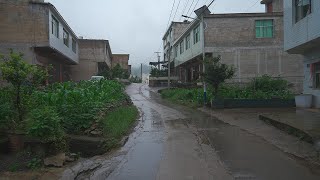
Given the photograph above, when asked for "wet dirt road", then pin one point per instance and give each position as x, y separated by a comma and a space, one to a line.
173, 142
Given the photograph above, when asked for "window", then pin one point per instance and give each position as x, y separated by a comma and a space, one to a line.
196, 34
188, 41
176, 51
302, 9
74, 45
181, 47
55, 27
65, 37
264, 28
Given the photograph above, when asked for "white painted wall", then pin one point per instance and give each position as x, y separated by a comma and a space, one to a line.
57, 43
304, 30
193, 51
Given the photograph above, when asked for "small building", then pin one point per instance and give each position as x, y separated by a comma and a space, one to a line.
122, 60
94, 57
37, 30
302, 36
251, 42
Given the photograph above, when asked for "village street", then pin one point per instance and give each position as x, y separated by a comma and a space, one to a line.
174, 142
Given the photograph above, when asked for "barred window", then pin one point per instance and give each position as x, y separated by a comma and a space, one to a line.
264, 28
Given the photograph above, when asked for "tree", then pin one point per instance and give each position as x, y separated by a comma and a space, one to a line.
19, 73
217, 73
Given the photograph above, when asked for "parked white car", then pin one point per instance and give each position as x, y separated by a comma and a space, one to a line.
96, 78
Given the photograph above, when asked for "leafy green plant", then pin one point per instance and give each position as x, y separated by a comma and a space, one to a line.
78, 104
45, 124
19, 74
268, 83
217, 73
14, 167
35, 163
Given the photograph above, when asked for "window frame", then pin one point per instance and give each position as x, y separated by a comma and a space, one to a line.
74, 45
196, 34
55, 29
264, 29
316, 75
301, 8
181, 47
188, 41
66, 40
176, 51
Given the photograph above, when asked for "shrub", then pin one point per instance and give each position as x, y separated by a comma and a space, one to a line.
267, 83
44, 123
6, 107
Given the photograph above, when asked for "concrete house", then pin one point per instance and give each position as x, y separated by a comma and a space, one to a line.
94, 57
122, 60
302, 36
174, 31
251, 42
37, 29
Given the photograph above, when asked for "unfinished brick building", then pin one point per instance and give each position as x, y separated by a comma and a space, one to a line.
251, 42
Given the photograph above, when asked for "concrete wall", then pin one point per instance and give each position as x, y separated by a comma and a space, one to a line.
300, 34
57, 42
22, 26
233, 37
121, 59
90, 53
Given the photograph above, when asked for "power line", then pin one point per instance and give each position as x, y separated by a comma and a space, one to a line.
174, 2
252, 6
190, 7
176, 10
184, 9
194, 8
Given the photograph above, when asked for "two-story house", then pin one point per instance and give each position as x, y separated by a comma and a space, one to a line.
37, 30
174, 31
302, 36
95, 56
251, 42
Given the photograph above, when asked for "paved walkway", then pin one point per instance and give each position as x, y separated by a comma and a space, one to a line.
307, 120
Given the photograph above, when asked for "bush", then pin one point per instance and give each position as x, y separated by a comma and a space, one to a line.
267, 83
44, 123
7, 111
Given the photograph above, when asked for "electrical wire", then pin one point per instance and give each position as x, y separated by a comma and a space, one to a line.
194, 8
252, 6
190, 7
184, 9
176, 10
174, 2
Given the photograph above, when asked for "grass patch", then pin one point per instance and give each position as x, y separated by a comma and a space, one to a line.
188, 97
118, 122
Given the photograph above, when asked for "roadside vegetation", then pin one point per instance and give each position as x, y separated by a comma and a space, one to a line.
264, 87
49, 113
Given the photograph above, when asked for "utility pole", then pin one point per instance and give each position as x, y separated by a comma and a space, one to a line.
141, 73
203, 48
169, 66
158, 54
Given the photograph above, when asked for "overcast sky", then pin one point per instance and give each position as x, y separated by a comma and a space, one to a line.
136, 27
